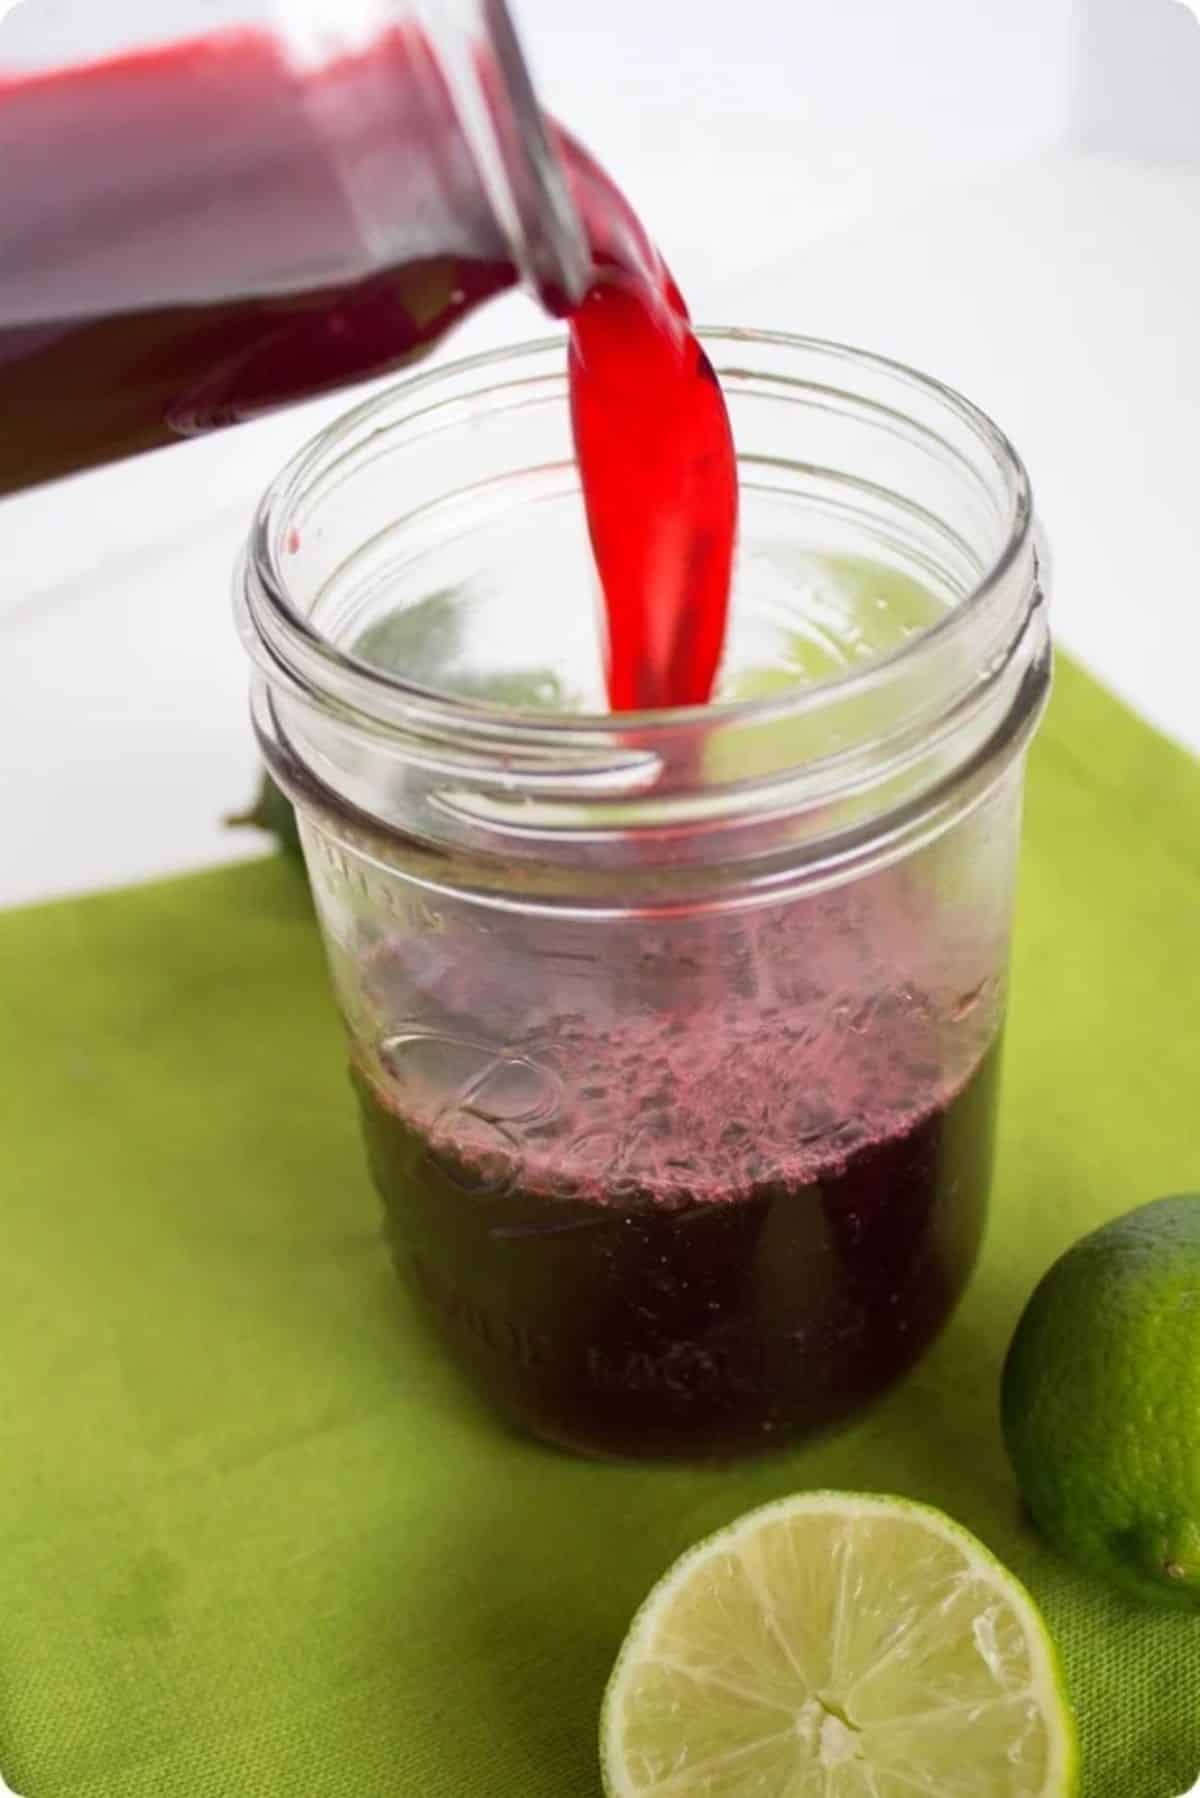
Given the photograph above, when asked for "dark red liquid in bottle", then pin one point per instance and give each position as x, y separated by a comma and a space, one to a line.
180, 252
231, 318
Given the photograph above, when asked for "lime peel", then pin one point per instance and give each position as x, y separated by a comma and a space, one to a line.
1100, 1403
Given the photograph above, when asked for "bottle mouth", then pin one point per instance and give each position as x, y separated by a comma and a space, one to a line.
515, 154
828, 438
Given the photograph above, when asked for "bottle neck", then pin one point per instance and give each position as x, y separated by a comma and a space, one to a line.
514, 151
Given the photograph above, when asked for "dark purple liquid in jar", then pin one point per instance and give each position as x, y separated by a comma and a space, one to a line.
694, 1232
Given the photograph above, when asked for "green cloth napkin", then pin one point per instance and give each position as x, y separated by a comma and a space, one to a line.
255, 1540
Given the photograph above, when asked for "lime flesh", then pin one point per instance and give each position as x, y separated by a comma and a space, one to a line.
838, 1644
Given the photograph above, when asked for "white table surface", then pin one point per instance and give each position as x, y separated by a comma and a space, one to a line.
1060, 290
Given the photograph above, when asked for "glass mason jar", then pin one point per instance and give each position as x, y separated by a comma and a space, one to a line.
675, 1035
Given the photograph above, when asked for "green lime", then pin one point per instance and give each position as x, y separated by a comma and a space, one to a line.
1101, 1402
838, 1645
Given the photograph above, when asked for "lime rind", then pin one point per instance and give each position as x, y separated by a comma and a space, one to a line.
1100, 1396
755, 1754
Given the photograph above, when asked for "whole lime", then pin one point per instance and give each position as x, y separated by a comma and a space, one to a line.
1101, 1402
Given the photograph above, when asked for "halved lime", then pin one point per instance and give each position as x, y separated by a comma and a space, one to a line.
838, 1645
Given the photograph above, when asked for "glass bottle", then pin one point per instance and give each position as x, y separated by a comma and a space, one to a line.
251, 204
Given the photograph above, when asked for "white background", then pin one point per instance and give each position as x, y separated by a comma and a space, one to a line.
1004, 192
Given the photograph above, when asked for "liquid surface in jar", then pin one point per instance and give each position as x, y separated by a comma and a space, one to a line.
694, 1228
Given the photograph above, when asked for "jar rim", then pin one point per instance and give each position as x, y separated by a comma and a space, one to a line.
815, 783
273, 615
